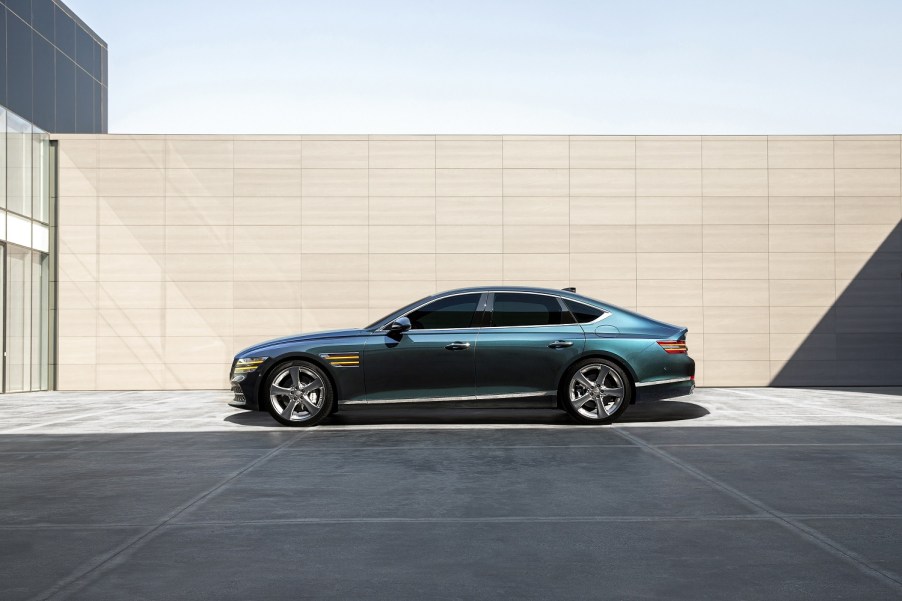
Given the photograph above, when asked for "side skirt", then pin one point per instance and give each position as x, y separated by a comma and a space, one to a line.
526, 399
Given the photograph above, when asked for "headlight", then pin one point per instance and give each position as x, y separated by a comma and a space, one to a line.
249, 364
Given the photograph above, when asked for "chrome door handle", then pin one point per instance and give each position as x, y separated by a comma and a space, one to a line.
458, 346
560, 344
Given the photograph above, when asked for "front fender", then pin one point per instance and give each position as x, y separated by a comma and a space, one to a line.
346, 377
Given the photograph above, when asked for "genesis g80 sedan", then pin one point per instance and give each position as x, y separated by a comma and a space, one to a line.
497, 343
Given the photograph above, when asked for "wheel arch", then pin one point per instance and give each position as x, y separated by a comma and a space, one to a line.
295, 356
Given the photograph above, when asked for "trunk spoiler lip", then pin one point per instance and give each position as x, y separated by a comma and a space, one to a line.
677, 333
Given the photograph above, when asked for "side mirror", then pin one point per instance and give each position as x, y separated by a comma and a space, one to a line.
400, 325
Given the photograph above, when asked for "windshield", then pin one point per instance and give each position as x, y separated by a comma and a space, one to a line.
401, 311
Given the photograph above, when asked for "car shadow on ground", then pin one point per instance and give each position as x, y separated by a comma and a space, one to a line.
649, 412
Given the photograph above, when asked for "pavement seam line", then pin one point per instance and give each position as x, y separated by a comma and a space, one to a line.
791, 524
94, 567
482, 520
445, 448
426, 520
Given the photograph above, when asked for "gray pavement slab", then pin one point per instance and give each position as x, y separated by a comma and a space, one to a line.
480, 481
807, 480
751, 560
729, 493
426, 439
32, 559
875, 538
771, 435
107, 488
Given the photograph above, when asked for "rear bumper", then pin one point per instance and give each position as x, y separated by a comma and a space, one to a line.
664, 390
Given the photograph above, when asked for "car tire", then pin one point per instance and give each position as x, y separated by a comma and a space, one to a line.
595, 391
284, 394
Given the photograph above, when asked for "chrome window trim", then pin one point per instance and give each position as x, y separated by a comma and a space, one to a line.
604, 316
604, 312
479, 306
670, 381
483, 306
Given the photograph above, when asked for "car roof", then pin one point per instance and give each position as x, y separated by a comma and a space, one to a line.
555, 291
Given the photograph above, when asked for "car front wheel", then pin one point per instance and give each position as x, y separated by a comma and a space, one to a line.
298, 394
595, 391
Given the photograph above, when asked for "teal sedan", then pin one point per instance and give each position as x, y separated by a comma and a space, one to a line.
494, 343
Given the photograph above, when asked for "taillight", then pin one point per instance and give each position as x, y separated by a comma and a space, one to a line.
674, 347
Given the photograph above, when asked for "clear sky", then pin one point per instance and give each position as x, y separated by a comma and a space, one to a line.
461, 66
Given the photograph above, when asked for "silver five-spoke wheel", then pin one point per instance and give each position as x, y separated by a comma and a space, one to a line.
297, 393
596, 391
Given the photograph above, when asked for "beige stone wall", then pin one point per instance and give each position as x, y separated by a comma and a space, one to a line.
177, 251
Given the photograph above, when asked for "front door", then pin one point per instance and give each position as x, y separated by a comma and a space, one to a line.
527, 347
431, 361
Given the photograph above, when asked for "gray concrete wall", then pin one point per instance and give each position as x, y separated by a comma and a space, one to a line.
781, 254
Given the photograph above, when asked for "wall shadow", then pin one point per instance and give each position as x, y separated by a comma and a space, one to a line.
858, 342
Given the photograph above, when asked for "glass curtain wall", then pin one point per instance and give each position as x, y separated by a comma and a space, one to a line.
25, 167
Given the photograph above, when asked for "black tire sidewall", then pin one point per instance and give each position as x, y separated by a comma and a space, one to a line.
564, 393
328, 396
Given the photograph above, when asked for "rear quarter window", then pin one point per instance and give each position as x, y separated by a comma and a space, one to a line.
582, 312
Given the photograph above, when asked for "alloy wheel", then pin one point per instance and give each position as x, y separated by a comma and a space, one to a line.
297, 393
596, 391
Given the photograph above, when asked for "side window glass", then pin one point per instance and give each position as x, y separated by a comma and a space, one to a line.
582, 312
513, 309
449, 312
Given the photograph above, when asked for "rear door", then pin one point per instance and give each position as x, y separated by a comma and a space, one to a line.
528, 341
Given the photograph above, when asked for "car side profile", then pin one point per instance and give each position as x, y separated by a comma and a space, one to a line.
492, 343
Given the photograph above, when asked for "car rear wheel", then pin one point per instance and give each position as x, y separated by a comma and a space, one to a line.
298, 394
595, 391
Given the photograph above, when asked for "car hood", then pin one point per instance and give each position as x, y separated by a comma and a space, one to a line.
303, 338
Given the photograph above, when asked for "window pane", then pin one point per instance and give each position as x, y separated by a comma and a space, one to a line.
44, 85
104, 111
84, 49
18, 67
65, 94
42, 17
98, 105
2, 310
450, 312
41, 183
3, 162
21, 8
18, 165
64, 28
104, 66
2, 62
96, 69
40, 302
523, 309
18, 319
84, 102
582, 312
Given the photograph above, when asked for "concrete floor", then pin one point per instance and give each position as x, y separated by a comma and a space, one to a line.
730, 493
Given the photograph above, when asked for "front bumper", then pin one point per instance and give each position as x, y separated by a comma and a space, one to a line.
244, 391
